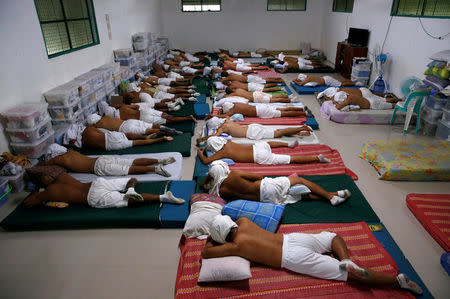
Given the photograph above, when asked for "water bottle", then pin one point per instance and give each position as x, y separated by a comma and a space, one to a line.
379, 85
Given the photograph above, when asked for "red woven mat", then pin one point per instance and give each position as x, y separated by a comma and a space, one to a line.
278, 121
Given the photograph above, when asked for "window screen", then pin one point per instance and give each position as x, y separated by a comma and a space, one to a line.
200, 5
421, 8
67, 25
277, 5
343, 5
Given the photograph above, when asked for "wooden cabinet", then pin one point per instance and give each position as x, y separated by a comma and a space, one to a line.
344, 58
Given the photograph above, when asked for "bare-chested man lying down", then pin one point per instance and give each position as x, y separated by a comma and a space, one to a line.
303, 253
310, 80
101, 193
80, 136
236, 184
361, 97
249, 78
142, 112
245, 54
260, 110
260, 153
228, 65
144, 97
159, 94
175, 63
103, 165
257, 96
268, 87
252, 131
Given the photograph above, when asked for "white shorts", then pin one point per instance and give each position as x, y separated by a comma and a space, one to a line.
275, 190
330, 81
164, 88
173, 75
161, 95
376, 102
166, 81
185, 63
106, 193
135, 126
257, 132
112, 165
242, 68
304, 254
189, 70
255, 79
266, 111
152, 116
261, 97
116, 141
262, 154
255, 87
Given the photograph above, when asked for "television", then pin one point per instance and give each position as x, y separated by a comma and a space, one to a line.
358, 37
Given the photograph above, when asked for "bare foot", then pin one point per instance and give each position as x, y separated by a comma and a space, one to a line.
193, 118
168, 138
307, 133
31, 200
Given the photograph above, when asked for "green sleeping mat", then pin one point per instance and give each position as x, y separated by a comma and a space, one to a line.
181, 144
185, 126
355, 209
202, 85
186, 110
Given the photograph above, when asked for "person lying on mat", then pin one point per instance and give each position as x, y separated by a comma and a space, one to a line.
142, 112
257, 96
171, 79
180, 64
236, 184
269, 87
296, 64
160, 94
303, 253
169, 85
260, 110
142, 96
101, 193
244, 54
80, 136
227, 65
260, 152
227, 76
132, 126
309, 80
361, 97
252, 131
158, 71
103, 165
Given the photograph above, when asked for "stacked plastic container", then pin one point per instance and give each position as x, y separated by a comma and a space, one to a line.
432, 113
361, 70
443, 124
141, 41
29, 129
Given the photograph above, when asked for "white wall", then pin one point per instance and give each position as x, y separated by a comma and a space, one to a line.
407, 45
241, 25
26, 70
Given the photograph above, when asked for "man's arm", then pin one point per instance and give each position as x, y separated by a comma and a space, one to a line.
207, 160
210, 250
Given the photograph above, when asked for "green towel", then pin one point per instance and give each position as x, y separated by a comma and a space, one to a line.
83, 216
355, 209
181, 144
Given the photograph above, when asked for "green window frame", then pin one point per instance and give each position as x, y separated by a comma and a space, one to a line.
201, 5
286, 5
67, 25
421, 8
343, 5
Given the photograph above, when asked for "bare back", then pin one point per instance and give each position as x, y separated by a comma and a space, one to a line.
234, 129
236, 77
248, 189
109, 123
73, 161
93, 138
128, 113
239, 92
242, 153
244, 109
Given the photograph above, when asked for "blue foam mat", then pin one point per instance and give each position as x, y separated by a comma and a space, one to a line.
311, 90
312, 122
402, 262
175, 216
200, 169
201, 110
201, 98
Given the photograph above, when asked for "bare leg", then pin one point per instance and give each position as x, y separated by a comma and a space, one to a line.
304, 159
274, 80
291, 131
292, 113
270, 89
279, 100
144, 162
136, 169
315, 189
275, 144
151, 141
173, 119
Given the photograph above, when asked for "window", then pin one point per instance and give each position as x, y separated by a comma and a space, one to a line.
421, 8
277, 5
343, 5
201, 5
67, 25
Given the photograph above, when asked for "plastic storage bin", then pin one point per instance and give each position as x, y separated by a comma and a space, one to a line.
77, 118
91, 109
429, 127
436, 103
122, 53
33, 149
446, 114
431, 114
31, 134
61, 112
63, 95
129, 61
443, 130
16, 182
94, 78
59, 133
25, 115
140, 46
4, 190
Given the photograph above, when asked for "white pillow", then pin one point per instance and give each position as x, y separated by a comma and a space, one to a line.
227, 268
441, 56
199, 220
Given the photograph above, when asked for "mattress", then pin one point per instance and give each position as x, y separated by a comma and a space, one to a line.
201, 110
268, 74
311, 90
363, 116
278, 105
410, 160
269, 121
324, 69
433, 211
185, 110
181, 143
76, 217
269, 282
175, 169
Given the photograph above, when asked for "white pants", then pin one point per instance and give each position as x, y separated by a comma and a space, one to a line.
112, 165
135, 126
107, 193
257, 132
164, 88
330, 81
189, 70
243, 68
152, 116
261, 97
255, 87
255, 79
262, 154
376, 102
166, 81
116, 141
266, 111
161, 95
304, 254
185, 63
275, 190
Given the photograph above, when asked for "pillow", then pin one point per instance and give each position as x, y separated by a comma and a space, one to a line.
441, 56
265, 215
204, 207
226, 268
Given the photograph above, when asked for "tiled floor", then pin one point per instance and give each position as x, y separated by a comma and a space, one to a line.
142, 263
